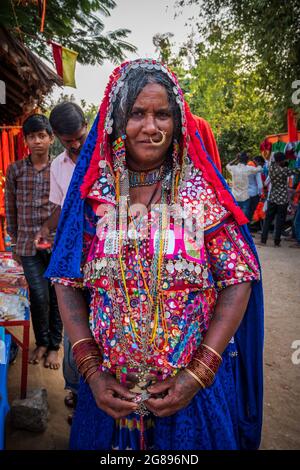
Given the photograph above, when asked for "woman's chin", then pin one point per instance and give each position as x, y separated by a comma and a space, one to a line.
145, 163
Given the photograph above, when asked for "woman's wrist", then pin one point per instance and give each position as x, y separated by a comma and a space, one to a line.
204, 365
88, 357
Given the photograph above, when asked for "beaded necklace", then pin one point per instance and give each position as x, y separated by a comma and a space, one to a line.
147, 178
151, 321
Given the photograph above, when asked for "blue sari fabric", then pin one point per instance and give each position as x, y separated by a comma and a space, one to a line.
227, 415
209, 422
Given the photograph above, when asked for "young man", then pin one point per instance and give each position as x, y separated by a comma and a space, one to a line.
70, 127
27, 208
240, 172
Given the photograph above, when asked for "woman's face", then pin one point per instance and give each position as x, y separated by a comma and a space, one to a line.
150, 114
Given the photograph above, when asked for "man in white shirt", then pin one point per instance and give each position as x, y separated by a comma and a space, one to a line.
240, 172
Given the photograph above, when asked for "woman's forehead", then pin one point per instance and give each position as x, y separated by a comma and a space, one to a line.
152, 93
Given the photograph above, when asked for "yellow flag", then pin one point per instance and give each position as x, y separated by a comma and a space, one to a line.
69, 62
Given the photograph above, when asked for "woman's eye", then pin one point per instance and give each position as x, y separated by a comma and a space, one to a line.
163, 114
136, 114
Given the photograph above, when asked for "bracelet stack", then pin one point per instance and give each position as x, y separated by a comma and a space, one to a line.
87, 356
204, 365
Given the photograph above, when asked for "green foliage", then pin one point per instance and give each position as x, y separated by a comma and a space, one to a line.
269, 29
76, 24
225, 89
163, 45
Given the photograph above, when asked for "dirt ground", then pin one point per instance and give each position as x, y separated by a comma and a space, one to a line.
281, 430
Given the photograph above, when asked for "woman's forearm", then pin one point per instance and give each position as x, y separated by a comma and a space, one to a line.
74, 312
229, 311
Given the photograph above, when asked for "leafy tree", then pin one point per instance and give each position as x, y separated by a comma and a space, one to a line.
76, 24
269, 29
163, 45
221, 87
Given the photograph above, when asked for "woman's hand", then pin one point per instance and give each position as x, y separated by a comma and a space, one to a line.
178, 391
111, 396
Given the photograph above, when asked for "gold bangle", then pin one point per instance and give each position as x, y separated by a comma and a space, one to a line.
212, 350
81, 341
195, 377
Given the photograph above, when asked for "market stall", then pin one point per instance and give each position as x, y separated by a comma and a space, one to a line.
14, 308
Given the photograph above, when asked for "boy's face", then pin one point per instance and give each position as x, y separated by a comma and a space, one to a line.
73, 143
39, 142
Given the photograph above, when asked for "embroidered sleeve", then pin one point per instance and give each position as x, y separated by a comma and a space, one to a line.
214, 211
231, 259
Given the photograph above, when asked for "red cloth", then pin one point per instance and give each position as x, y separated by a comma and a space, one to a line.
296, 198
292, 125
5, 151
209, 141
11, 139
57, 55
259, 213
22, 149
1, 159
265, 146
2, 200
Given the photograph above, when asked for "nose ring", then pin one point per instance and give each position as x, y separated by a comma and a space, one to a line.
160, 142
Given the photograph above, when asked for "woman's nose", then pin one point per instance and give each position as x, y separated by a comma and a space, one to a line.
150, 124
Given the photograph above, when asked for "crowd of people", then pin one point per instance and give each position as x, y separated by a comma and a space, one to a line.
162, 327
268, 192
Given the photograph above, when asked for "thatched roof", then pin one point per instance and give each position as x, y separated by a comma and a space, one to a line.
26, 77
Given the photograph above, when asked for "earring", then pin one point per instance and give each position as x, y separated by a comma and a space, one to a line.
119, 153
175, 171
122, 177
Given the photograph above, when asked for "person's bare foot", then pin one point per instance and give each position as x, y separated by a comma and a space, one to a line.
37, 354
52, 360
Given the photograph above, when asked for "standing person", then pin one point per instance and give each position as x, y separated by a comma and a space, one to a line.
70, 127
255, 186
278, 198
170, 346
240, 172
27, 208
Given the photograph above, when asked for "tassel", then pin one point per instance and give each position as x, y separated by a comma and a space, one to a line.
142, 434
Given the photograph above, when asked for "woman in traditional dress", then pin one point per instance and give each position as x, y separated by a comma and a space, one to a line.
158, 280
